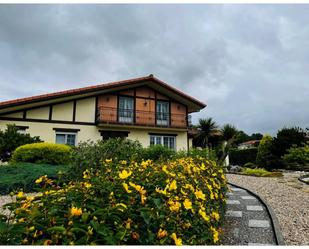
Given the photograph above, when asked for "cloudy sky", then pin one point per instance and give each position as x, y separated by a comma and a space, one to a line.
248, 63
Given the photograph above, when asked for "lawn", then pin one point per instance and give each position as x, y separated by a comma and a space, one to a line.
22, 175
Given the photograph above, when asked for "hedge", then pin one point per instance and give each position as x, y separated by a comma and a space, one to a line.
241, 157
146, 203
44, 153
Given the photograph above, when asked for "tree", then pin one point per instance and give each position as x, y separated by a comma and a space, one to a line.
242, 137
229, 135
207, 128
264, 157
286, 138
256, 136
10, 139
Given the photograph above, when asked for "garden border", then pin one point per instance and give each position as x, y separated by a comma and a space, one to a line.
273, 218
301, 179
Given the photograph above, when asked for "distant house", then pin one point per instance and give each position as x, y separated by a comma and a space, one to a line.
248, 144
144, 109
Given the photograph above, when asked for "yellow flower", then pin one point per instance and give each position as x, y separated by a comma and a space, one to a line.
173, 185
39, 180
20, 194
143, 199
31, 229
122, 206
70, 223
187, 204
162, 191
126, 187
30, 198
87, 185
199, 194
123, 162
76, 211
215, 234
108, 160
203, 214
178, 241
86, 174
215, 215
124, 174
174, 206
21, 220
161, 234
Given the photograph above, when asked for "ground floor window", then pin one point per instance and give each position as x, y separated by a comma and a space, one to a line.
66, 138
165, 140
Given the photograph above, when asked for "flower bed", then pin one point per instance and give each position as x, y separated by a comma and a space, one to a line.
180, 202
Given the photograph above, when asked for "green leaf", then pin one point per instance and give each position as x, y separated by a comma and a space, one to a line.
60, 229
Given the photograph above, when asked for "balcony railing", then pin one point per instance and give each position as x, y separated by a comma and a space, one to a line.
109, 115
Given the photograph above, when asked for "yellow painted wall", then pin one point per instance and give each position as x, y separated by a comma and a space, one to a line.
14, 115
63, 111
47, 134
91, 132
39, 113
85, 110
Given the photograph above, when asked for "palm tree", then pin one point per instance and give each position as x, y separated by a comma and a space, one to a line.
229, 135
207, 128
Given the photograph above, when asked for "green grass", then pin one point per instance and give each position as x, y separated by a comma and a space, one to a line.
14, 177
260, 172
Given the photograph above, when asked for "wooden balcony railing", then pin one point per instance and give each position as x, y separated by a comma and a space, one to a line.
108, 115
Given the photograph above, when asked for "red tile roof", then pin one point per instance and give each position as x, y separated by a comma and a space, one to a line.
82, 90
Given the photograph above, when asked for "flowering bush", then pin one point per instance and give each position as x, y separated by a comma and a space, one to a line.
180, 202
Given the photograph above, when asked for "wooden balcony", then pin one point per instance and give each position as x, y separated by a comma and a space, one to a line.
108, 115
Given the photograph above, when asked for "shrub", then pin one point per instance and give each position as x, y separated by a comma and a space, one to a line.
250, 165
10, 139
241, 157
261, 172
22, 176
91, 154
265, 158
297, 157
205, 153
286, 138
158, 153
180, 202
46, 153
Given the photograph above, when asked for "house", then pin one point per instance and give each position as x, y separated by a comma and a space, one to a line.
144, 109
248, 144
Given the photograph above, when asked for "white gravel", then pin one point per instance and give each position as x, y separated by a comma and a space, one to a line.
289, 202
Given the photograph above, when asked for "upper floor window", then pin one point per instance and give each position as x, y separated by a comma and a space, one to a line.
126, 109
163, 113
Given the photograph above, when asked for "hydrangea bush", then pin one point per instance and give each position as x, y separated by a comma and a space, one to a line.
180, 202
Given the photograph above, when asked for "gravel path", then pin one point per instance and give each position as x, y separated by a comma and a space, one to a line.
291, 205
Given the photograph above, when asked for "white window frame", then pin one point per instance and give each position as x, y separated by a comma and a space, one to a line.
66, 136
162, 140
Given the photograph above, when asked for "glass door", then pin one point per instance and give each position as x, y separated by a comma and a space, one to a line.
126, 109
163, 113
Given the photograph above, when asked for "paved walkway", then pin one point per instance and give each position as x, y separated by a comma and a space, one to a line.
247, 221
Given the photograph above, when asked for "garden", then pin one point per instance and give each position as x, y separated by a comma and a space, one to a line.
111, 192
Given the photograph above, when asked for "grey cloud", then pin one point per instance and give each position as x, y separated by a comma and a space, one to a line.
249, 63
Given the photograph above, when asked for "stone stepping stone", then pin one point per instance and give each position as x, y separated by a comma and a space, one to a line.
254, 208
233, 202
235, 214
259, 223
238, 190
229, 193
248, 197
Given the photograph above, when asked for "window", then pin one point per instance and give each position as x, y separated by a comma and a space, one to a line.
66, 138
163, 113
165, 140
126, 109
